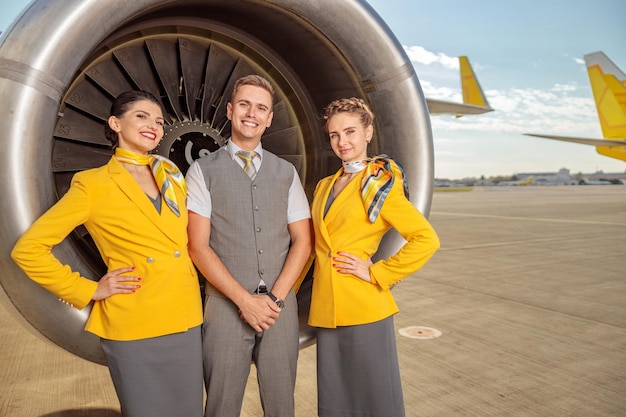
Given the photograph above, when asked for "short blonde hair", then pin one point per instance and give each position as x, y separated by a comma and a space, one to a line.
348, 105
255, 81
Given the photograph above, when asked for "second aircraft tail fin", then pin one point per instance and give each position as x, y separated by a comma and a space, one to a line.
474, 100
472, 92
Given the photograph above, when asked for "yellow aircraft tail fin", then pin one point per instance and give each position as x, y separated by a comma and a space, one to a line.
472, 92
608, 84
474, 101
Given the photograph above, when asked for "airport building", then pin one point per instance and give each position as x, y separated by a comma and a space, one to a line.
561, 177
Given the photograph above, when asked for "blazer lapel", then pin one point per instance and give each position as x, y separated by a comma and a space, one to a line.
346, 196
134, 193
325, 189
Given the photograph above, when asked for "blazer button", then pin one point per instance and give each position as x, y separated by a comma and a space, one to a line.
260, 251
150, 260
258, 229
330, 254
176, 254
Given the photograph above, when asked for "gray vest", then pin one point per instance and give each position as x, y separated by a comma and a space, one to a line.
249, 218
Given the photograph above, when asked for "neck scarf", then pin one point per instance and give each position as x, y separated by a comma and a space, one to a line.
377, 183
165, 173
354, 166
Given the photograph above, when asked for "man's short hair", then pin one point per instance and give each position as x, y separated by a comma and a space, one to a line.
255, 81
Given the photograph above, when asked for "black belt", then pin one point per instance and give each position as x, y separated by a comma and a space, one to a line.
261, 289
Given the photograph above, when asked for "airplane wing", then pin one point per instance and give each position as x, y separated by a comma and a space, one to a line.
610, 143
457, 109
474, 100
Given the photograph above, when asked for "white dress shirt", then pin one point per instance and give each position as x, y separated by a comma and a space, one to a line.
199, 197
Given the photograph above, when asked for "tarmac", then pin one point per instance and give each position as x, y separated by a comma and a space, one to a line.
521, 313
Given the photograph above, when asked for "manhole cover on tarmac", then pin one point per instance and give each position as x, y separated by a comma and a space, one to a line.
420, 332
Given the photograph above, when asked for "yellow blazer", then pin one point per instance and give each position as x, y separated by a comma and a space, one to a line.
343, 299
127, 231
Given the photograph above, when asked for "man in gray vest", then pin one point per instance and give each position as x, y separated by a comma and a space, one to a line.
250, 237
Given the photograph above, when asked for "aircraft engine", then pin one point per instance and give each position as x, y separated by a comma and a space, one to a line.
63, 62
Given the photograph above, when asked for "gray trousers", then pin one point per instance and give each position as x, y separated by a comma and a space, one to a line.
158, 377
229, 347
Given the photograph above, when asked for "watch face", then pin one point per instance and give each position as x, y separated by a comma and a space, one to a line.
280, 303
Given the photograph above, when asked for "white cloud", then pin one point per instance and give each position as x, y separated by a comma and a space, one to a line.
441, 93
420, 55
560, 110
565, 87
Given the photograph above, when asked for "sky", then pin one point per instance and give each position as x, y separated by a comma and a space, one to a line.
528, 57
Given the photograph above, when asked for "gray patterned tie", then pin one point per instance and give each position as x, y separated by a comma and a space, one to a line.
247, 158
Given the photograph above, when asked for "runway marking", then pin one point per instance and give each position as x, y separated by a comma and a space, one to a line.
540, 219
510, 243
420, 332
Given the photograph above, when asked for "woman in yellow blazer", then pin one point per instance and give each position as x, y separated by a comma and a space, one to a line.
352, 305
147, 308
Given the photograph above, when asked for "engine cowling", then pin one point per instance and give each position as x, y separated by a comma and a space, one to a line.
62, 65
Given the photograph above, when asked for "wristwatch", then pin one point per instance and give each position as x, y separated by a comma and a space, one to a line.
280, 303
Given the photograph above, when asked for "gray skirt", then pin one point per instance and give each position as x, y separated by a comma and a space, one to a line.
158, 377
357, 371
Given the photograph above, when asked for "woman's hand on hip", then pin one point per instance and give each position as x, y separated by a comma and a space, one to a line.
115, 283
348, 263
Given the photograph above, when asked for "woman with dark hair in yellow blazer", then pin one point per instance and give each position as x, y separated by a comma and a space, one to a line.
352, 305
147, 308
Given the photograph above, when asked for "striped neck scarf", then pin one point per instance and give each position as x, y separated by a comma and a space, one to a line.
377, 183
165, 173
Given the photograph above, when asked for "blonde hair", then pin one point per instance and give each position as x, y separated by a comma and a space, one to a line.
348, 105
255, 81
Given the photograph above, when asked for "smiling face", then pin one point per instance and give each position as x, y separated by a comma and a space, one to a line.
250, 113
140, 128
348, 137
